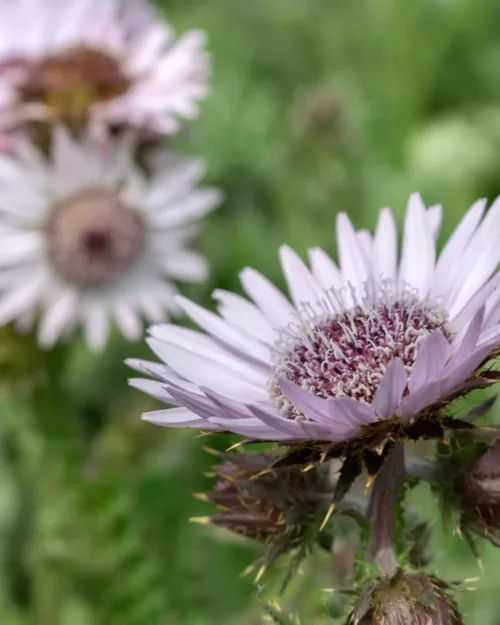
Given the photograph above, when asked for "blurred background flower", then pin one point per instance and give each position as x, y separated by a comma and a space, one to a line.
108, 64
85, 236
317, 107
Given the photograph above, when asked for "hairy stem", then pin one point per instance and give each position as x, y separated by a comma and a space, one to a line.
382, 510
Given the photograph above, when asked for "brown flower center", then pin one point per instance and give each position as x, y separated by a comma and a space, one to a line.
93, 237
70, 82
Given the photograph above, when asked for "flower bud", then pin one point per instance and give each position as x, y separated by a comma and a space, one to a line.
257, 500
479, 492
406, 599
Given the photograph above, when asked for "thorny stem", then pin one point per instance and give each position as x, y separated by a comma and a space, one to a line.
382, 510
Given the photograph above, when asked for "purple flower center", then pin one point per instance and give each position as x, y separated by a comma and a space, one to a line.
93, 237
346, 353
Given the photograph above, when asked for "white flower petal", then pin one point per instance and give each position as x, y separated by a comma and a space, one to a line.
198, 404
19, 247
492, 317
341, 414
418, 252
195, 205
470, 339
154, 369
432, 356
128, 320
178, 177
59, 314
457, 372
478, 300
20, 299
152, 308
478, 260
385, 247
319, 431
230, 407
276, 422
390, 389
365, 244
240, 312
325, 271
453, 377
154, 389
213, 369
166, 332
426, 395
252, 428
186, 265
301, 284
449, 259
228, 334
268, 298
175, 417
435, 218
95, 318
352, 263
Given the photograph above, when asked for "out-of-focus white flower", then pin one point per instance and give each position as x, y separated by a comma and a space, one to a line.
85, 236
111, 63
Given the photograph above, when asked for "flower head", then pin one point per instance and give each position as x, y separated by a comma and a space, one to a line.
406, 599
276, 506
111, 64
369, 351
86, 236
260, 501
478, 489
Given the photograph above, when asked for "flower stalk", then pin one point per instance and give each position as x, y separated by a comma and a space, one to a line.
382, 511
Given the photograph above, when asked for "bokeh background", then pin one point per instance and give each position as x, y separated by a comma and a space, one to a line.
318, 106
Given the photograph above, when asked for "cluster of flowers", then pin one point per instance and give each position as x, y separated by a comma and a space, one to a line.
96, 217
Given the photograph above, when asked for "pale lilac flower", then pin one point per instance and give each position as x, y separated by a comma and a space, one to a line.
85, 236
370, 349
111, 63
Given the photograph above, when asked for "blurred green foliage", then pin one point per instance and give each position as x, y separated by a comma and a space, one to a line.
318, 106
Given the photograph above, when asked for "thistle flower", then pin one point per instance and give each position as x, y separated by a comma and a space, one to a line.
275, 506
478, 489
84, 237
406, 599
112, 64
371, 351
